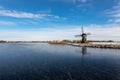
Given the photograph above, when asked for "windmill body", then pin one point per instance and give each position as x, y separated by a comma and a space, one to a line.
84, 36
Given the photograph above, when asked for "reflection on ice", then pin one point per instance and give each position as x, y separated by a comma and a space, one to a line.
57, 62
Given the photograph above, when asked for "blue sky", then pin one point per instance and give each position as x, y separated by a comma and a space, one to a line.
59, 19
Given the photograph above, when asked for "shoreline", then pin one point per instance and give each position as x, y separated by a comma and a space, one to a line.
108, 45
98, 45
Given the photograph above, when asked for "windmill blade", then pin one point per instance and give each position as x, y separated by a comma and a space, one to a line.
82, 30
88, 33
77, 35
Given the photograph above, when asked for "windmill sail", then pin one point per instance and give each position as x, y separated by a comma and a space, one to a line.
83, 35
82, 30
77, 35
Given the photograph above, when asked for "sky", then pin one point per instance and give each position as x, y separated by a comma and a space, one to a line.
59, 19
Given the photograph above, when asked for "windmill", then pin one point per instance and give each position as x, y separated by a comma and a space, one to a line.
83, 35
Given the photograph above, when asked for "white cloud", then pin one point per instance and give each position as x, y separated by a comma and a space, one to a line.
40, 15
7, 23
114, 13
72, 1
98, 32
84, 5
83, 1
117, 15
117, 21
57, 17
21, 14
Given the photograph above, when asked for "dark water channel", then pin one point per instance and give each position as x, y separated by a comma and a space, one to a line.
57, 62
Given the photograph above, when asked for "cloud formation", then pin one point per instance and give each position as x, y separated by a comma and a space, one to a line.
71, 1
114, 13
83, 1
18, 14
7, 23
21, 14
109, 32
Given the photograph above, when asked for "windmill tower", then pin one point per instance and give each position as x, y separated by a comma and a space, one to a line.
83, 35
